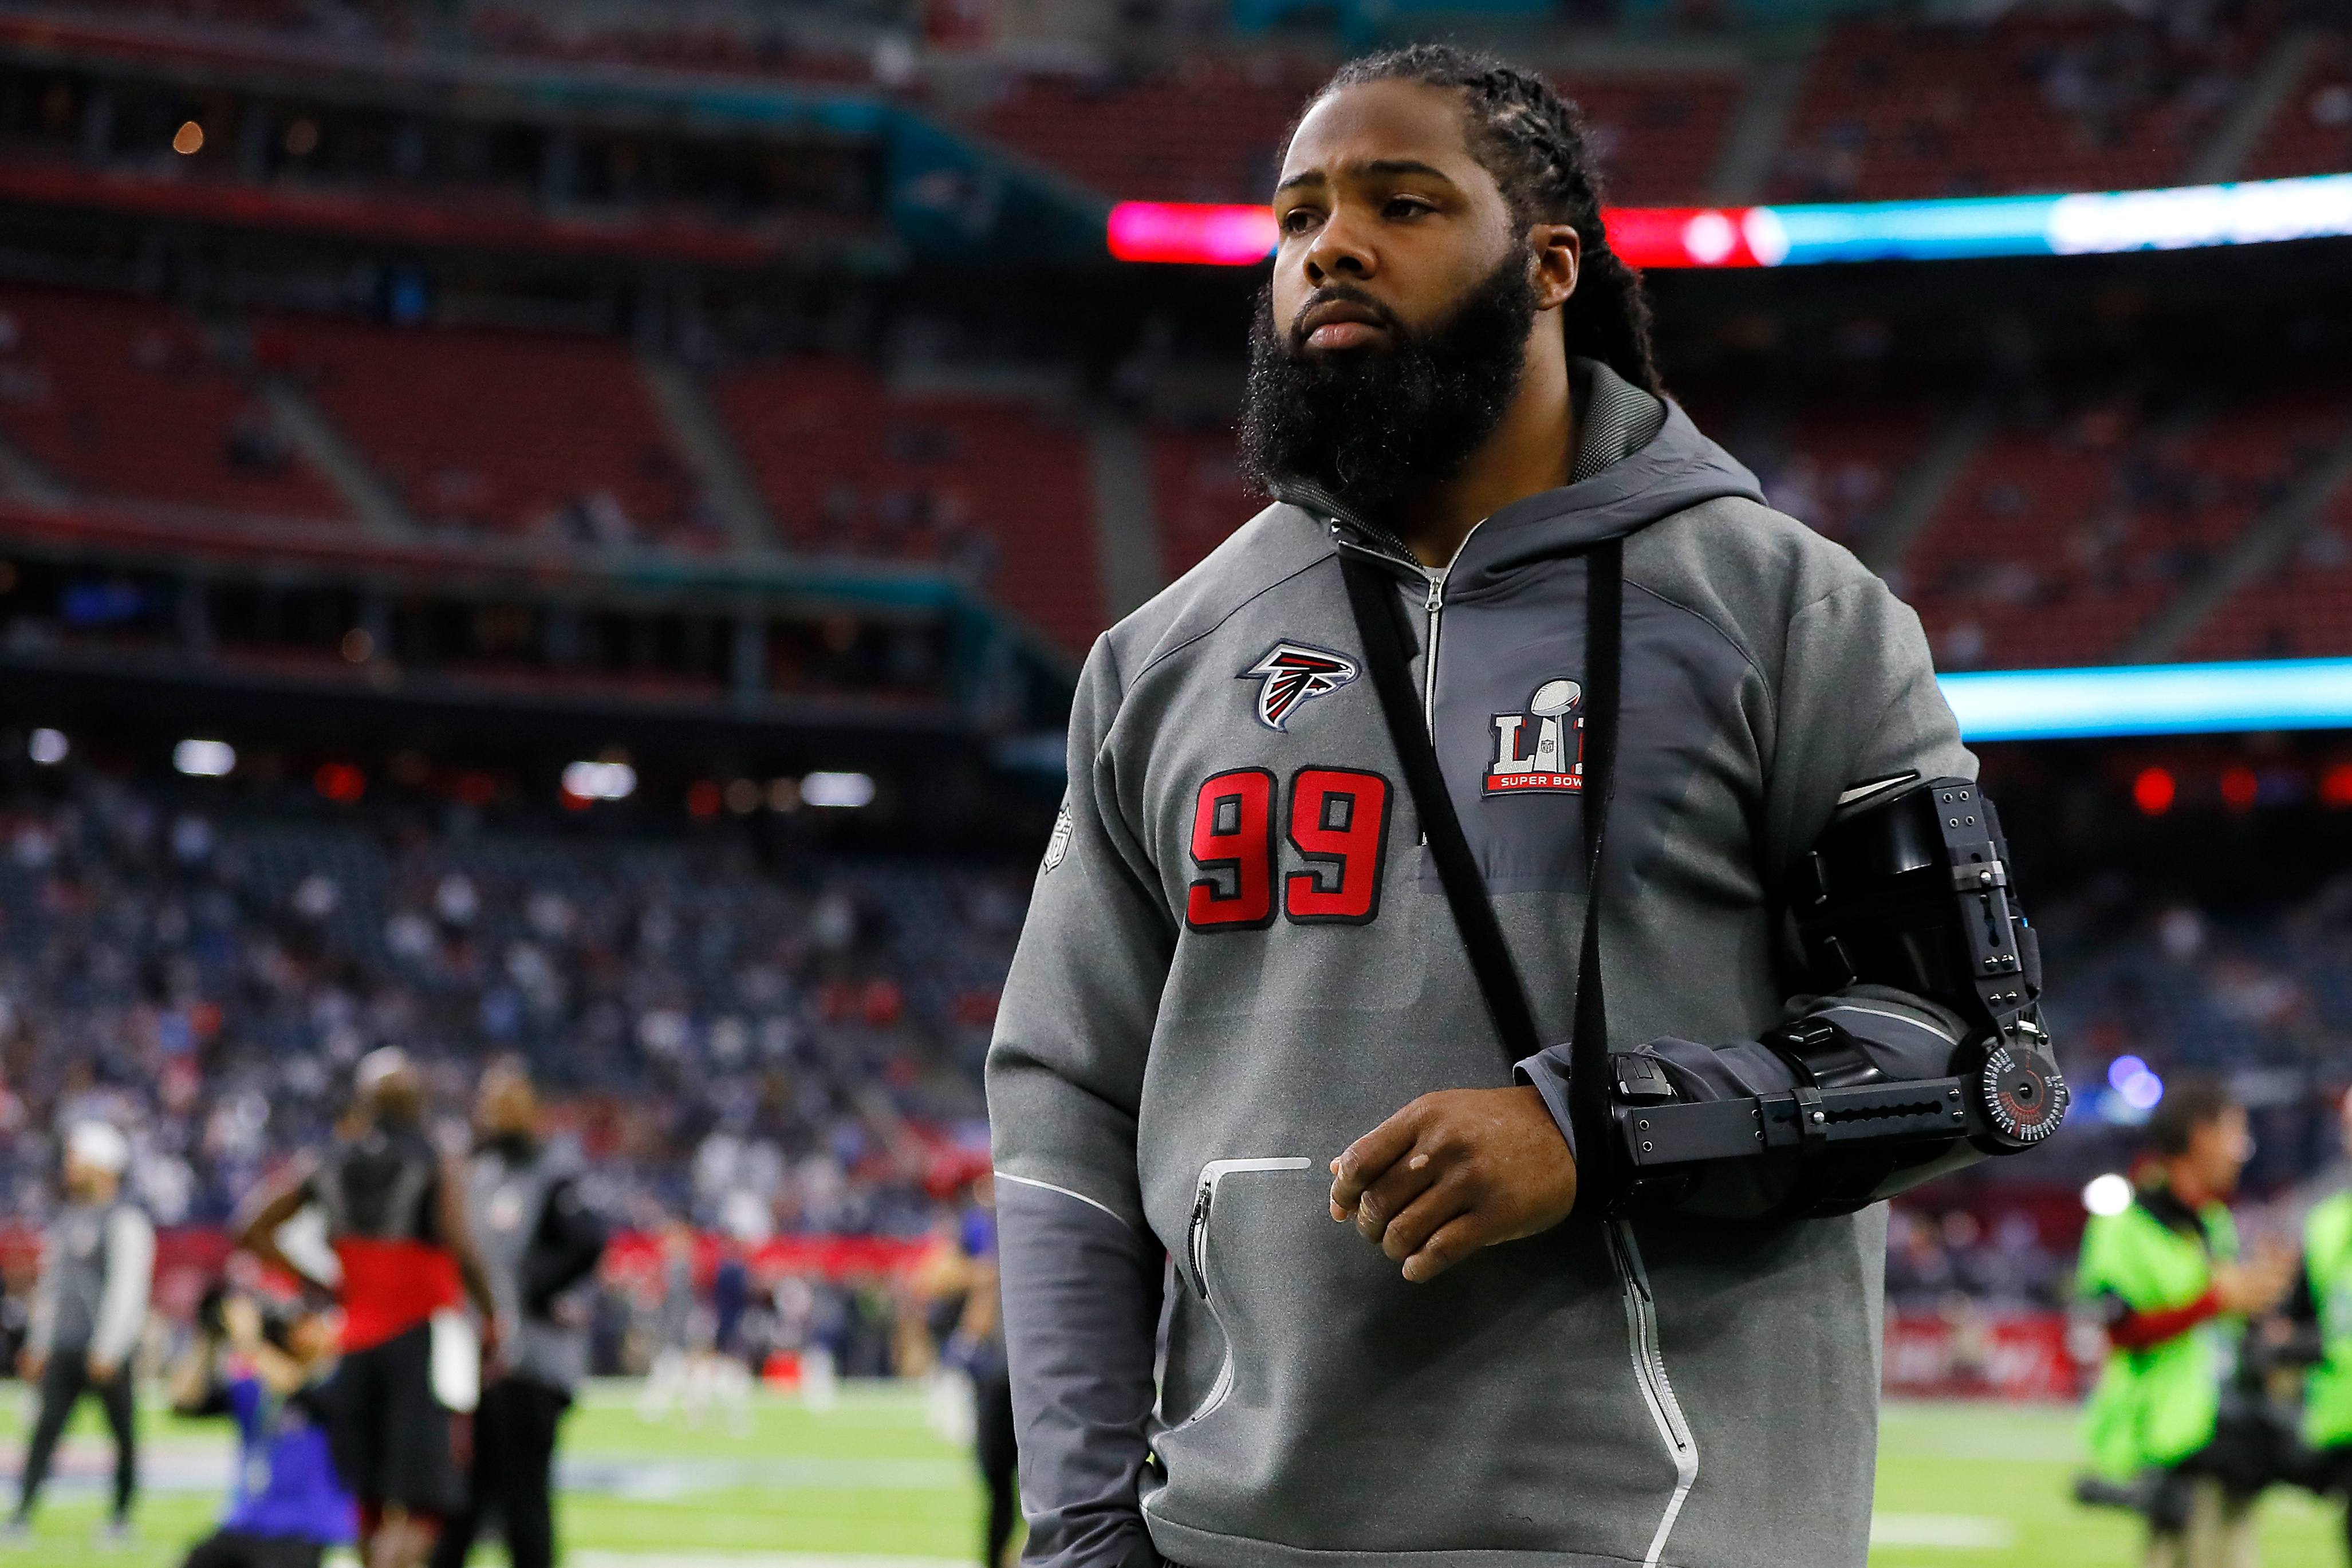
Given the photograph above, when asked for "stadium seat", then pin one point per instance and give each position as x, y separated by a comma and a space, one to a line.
124, 399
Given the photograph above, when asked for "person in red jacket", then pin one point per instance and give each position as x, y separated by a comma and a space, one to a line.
396, 1219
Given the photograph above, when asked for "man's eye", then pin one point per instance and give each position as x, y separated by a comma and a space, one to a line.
1405, 207
1298, 220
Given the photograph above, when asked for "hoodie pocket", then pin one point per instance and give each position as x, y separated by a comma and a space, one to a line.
1212, 1258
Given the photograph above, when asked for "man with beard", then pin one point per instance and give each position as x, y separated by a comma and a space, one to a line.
1250, 940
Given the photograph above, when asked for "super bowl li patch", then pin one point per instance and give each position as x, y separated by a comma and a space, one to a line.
1541, 747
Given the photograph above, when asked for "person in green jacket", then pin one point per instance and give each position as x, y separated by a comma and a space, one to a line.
2321, 1308
2165, 1274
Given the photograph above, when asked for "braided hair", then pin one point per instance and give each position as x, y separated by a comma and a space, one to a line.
1531, 141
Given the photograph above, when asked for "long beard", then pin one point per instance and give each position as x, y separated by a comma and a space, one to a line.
1368, 427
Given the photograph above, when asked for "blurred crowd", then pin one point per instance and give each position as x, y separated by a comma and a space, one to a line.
758, 1048
777, 1051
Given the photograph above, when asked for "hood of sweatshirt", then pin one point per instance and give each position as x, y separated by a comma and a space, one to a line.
1639, 460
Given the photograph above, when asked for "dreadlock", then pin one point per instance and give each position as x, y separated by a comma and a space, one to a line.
1531, 141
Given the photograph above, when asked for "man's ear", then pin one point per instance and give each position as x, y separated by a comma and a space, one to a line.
1558, 256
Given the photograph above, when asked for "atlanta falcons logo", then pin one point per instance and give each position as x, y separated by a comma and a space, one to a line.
1293, 672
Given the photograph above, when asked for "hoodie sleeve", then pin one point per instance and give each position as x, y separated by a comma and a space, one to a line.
1081, 1270
42, 1325
1857, 703
130, 1276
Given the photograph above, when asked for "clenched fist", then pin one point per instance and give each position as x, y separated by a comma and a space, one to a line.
1453, 1172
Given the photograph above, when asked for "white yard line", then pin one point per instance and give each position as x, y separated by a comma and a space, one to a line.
583, 1559
1961, 1530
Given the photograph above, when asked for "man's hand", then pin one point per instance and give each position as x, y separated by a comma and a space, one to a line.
242, 1319
2258, 1284
30, 1364
101, 1369
1453, 1172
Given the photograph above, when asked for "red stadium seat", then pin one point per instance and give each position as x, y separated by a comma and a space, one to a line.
123, 399
994, 487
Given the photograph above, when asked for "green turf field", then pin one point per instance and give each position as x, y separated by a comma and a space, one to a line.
1959, 1486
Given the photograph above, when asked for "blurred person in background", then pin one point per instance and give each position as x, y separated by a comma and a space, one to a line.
98, 1265
720, 1371
674, 1316
267, 1369
2321, 1311
395, 1213
2174, 1297
978, 1347
539, 1240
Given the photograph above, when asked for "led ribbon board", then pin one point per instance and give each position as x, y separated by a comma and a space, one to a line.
2152, 700
2251, 212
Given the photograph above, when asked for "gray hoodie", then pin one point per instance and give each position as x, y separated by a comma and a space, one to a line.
1238, 960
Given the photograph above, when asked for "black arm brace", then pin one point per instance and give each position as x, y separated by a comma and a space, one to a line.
1908, 889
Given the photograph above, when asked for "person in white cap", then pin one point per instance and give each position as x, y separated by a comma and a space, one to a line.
98, 1262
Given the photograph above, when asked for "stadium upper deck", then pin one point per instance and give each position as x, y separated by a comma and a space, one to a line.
2037, 98
509, 284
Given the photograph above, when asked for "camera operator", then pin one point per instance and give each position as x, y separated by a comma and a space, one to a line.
2167, 1277
265, 1370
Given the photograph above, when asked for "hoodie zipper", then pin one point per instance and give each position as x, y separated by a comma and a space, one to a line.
1649, 1375
1433, 602
1432, 607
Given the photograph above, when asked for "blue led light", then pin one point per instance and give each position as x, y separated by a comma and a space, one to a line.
2152, 700
1918, 231
2251, 212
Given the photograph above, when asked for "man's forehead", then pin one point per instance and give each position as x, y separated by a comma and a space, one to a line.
1381, 128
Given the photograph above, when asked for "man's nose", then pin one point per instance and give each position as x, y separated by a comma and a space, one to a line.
1339, 252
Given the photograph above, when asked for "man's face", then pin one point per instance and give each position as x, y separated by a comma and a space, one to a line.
1386, 219
504, 1106
87, 1182
1393, 336
2218, 1150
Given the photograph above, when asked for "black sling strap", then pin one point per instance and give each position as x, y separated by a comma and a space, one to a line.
1374, 601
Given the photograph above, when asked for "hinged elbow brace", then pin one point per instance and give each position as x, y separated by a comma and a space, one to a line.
1908, 891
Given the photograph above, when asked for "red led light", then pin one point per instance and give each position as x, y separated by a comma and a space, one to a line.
2336, 786
1213, 234
2239, 787
340, 781
703, 798
2153, 791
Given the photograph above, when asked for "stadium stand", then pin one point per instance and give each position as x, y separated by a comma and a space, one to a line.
1657, 136
995, 487
1207, 131
2106, 101
1203, 131
2076, 525
207, 982
2301, 608
2312, 133
501, 432
1841, 457
1198, 494
125, 399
